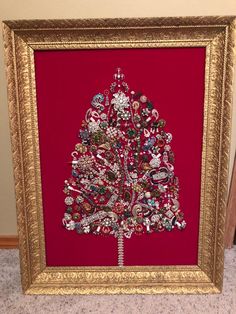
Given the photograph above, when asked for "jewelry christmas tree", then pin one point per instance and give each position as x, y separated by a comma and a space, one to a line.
123, 180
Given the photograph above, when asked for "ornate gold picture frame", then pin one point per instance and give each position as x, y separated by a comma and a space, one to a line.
22, 39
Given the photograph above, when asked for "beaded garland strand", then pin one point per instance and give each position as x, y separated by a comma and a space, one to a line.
123, 179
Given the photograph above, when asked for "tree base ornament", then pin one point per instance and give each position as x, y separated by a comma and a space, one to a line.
123, 180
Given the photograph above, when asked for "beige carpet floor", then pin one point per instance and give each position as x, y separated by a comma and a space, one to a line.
12, 301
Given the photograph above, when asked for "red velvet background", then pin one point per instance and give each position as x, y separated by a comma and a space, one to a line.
173, 78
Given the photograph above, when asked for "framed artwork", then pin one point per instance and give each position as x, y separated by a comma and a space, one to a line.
120, 140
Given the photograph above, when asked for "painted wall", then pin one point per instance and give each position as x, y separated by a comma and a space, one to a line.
44, 9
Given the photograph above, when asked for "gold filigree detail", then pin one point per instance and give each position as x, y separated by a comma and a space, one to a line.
21, 38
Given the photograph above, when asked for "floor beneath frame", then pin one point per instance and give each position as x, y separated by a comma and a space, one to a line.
13, 302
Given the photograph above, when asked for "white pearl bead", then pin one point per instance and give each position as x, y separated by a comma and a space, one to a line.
147, 194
